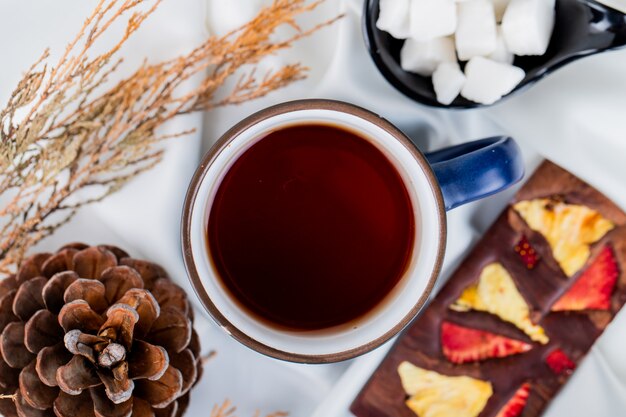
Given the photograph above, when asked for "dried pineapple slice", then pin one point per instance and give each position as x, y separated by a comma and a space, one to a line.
436, 395
568, 228
497, 294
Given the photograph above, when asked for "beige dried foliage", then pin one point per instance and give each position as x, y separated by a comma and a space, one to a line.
226, 409
69, 137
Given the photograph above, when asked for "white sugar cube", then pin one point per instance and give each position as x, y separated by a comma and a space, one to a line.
394, 18
488, 81
501, 53
499, 7
448, 80
423, 57
527, 26
432, 19
476, 29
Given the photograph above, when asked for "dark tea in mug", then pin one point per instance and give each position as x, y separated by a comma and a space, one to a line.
311, 227
313, 231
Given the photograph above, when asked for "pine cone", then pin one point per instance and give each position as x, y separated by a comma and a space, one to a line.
89, 331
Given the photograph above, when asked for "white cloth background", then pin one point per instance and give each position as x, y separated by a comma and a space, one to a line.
574, 117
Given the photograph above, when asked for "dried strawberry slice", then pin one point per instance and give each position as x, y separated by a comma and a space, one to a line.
593, 289
515, 406
462, 344
559, 362
527, 253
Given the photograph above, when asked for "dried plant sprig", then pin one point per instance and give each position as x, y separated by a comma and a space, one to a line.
226, 409
68, 138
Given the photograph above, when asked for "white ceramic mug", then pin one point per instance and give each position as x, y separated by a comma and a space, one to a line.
434, 186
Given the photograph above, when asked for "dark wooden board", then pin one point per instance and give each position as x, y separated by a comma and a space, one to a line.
573, 332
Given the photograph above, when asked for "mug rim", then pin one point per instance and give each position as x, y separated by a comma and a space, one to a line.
193, 192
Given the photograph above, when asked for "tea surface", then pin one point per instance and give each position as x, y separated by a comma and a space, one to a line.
311, 227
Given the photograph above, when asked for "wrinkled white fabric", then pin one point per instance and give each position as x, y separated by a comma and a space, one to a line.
574, 117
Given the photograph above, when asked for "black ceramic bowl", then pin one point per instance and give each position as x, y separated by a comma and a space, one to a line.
582, 28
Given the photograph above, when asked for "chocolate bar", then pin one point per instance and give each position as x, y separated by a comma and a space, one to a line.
516, 318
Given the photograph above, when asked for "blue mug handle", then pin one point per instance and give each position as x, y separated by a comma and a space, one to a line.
474, 170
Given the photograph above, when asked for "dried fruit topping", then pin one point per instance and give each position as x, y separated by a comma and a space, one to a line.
463, 344
593, 289
568, 228
527, 253
497, 294
559, 362
433, 394
515, 406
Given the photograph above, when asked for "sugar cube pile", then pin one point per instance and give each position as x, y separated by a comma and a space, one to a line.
485, 34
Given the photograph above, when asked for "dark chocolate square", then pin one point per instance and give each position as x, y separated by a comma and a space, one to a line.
574, 332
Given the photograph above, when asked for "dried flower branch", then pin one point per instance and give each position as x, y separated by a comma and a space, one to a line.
68, 138
226, 409
208, 357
